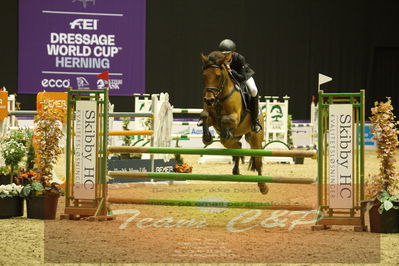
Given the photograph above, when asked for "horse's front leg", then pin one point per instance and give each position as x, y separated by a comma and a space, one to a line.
228, 124
207, 137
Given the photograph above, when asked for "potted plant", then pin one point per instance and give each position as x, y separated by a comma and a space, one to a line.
42, 200
12, 150
11, 204
384, 186
42, 194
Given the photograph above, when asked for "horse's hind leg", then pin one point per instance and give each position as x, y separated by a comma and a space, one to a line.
236, 168
255, 163
263, 188
233, 144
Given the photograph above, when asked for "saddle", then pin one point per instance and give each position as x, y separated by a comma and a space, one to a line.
244, 91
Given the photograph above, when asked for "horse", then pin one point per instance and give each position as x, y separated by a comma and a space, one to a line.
224, 110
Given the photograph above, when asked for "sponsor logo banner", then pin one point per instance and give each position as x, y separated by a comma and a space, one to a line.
67, 43
277, 115
3, 105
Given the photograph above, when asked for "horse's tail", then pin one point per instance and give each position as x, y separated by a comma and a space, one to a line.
255, 164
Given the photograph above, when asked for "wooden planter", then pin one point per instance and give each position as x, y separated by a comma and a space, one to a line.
387, 222
42, 207
5, 179
11, 207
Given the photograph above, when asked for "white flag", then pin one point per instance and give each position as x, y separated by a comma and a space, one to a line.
323, 79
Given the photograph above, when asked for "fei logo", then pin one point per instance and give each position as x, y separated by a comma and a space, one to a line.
84, 24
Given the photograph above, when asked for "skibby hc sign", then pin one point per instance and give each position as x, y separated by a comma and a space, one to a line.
341, 155
66, 43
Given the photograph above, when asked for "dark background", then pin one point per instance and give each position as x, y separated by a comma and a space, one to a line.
287, 43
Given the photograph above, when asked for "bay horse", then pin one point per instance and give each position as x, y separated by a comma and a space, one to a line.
223, 109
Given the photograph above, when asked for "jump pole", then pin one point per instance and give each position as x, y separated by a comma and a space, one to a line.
209, 177
198, 151
131, 133
213, 204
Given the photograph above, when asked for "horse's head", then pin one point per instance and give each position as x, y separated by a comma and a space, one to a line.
215, 75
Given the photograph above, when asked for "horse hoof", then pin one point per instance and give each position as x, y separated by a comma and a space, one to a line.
225, 134
207, 139
263, 188
236, 171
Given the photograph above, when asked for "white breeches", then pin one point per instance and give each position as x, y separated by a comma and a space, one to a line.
253, 90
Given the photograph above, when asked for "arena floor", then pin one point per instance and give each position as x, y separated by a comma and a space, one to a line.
167, 234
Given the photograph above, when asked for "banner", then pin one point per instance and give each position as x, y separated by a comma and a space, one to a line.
277, 117
340, 141
85, 149
60, 100
3, 105
67, 43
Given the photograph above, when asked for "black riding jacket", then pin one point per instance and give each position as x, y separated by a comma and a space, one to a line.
240, 68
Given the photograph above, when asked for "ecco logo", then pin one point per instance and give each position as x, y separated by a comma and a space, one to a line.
84, 24
56, 83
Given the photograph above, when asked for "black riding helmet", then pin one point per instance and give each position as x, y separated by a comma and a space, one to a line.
227, 45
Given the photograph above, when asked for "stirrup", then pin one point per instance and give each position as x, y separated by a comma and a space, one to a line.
256, 126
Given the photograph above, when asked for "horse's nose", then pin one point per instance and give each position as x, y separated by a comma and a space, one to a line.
209, 101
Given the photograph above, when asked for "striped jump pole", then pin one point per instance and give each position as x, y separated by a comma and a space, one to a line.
114, 114
187, 111
213, 204
184, 123
208, 177
131, 133
130, 114
199, 151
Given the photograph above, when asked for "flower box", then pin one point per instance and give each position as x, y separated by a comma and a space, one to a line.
5, 179
386, 222
42, 206
11, 207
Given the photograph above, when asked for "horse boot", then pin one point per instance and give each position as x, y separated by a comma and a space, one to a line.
256, 126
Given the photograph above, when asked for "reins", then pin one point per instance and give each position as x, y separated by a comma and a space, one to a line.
218, 90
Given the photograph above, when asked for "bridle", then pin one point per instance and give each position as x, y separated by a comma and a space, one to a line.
216, 91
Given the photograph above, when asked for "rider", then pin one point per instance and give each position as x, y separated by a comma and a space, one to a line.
243, 73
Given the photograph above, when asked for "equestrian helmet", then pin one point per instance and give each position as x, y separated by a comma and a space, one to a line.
227, 45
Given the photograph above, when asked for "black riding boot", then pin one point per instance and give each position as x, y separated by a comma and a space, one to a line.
256, 126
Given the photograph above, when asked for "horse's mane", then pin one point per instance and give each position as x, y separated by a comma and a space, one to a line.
215, 58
